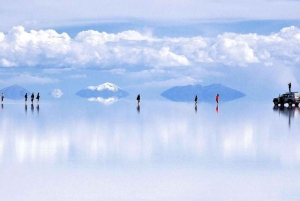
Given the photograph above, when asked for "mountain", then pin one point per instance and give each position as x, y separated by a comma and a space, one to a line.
14, 92
102, 92
204, 93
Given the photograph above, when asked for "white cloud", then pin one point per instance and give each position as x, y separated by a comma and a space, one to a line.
180, 81
37, 13
131, 48
6, 63
27, 78
56, 93
78, 76
56, 70
118, 71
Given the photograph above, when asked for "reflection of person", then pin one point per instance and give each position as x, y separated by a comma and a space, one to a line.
138, 98
217, 109
138, 109
2, 97
32, 97
38, 97
196, 100
290, 86
217, 98
25, 98
32, 108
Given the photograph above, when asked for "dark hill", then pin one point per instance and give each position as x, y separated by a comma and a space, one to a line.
14, 92
204, 93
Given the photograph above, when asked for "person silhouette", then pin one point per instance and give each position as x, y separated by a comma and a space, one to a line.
32, 97
26, 98
138, 98
196, 100
290, 86
217, 98
38, 97
2, 97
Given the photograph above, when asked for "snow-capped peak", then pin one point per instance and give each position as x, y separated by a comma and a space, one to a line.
106, 85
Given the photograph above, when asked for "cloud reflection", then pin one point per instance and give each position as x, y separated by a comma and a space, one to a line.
153, 136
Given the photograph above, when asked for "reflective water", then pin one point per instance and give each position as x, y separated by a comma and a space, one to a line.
160, 151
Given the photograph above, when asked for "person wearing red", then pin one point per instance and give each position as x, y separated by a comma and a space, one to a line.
217, 98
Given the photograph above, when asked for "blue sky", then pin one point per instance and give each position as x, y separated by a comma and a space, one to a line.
252, 46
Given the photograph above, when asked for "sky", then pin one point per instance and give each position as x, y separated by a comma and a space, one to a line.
149, 46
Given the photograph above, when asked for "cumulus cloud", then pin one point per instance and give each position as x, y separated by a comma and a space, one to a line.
131, 48
56, 93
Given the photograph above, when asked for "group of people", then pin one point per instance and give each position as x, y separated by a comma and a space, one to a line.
26, 97
32, 98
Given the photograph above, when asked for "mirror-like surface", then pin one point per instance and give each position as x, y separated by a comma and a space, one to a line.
160, 151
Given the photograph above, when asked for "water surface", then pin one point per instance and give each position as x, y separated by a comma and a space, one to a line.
81, 150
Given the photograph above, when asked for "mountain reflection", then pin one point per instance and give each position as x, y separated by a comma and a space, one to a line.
106, 101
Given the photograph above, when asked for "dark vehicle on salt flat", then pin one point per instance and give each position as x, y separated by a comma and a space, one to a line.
289, 98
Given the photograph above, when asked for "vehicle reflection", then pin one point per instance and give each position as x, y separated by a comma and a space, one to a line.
289, 112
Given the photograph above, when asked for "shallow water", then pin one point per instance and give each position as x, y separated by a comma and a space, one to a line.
84, 150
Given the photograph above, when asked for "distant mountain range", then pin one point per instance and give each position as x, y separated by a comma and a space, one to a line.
103, 92
14, 92
204, 93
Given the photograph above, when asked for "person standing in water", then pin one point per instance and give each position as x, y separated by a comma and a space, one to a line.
26, 98
2, 97
138, 98
38, 97
32, 97
196, 100
217, 98
290, 86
